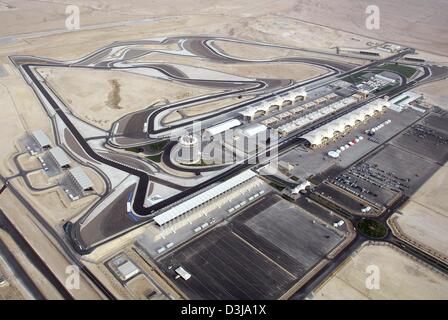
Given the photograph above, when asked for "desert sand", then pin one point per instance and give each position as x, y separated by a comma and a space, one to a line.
301, 24
100, 97
400, 277
436, 93
281, 70
424, 219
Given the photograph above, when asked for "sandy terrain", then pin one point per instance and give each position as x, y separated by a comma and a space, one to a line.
171, 117
20, 112
424, 219
202, 109
48, 251
9, 291
414, 22
433, 191
401, 277
38, 179
283, 70
139, 286
251, 52
41, 282
102, 97
436, 93
55, 205
51, 14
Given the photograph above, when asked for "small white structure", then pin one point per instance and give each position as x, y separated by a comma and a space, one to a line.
223, 126
183, 273
300, 187
189, 149
154, 199
127, 270
253, 129
404, 99
333, 154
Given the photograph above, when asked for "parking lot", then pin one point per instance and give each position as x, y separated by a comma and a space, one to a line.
402, 167
288, 234
314, 162
50, 167
259, 254
384, 175
426, 142
70, 188
351, 203
30, 145
437, 122
224, 267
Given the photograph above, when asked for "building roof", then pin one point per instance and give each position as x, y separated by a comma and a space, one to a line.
405, 98
83, 180
338, 124
60, 156
203, 197
128, 269
41, 138
254, 129
229, 124
183, 273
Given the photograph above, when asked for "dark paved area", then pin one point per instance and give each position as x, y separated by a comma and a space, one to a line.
109, 222
340, 198
259, 254
426, 142
437, 122
290, 231
397, 162
224, 267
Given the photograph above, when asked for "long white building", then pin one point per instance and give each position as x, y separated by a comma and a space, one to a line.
345, 122
292, 126
203, 197
276, 103
222, 127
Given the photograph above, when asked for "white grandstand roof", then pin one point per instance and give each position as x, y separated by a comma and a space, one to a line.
254, 129
83, 180
203, 197
41, 138
338, 124
223, 127
60, 156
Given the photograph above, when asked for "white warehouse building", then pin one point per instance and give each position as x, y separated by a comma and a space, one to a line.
41, 139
